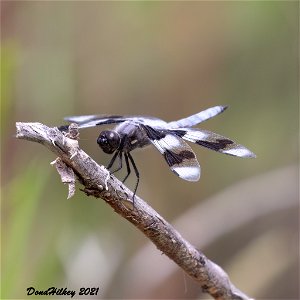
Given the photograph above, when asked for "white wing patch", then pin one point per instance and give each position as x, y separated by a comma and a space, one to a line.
197, 118
240, 151
189, 173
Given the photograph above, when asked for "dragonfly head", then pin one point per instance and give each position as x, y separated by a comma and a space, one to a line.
109, 141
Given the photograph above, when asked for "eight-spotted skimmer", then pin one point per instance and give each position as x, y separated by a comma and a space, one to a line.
168, 138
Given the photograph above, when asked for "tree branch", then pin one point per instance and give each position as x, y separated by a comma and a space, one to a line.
98, 182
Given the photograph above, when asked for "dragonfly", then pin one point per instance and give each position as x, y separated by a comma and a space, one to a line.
133, 132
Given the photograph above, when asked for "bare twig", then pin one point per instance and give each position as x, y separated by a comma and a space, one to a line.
98, 182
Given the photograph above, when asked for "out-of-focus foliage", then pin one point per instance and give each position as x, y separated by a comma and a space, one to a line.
170, 60
24, 195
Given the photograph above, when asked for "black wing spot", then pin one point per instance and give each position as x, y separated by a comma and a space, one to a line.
108, 121
179, 133
173, 158
218, 145
154, 134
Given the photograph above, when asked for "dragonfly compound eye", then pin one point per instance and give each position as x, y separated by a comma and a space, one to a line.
109, 141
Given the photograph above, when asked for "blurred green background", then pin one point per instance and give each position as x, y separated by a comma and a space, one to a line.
169, 60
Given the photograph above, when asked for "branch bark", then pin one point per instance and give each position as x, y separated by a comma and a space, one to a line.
97, 181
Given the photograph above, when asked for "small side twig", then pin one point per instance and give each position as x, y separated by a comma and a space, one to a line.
98, 182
